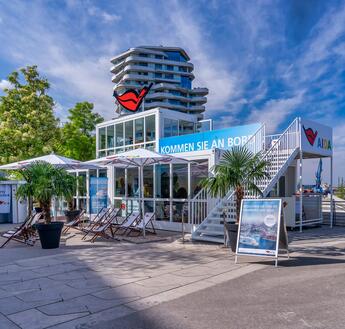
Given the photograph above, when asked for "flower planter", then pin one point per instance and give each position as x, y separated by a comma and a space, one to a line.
232, 230
50, 234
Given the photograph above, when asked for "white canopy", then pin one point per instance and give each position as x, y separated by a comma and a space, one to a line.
137, 158
53, 159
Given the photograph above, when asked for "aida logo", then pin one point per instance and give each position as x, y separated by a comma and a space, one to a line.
311, 135
324, 144
131, 99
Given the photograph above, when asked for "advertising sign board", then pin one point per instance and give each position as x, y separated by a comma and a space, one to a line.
5, 199
98, 194
259, 227
222, 139
316, 138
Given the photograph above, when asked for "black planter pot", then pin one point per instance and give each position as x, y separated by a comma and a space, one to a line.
50, 234
71, 215
232, 230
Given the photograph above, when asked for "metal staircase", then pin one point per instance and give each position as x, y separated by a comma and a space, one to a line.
280, 154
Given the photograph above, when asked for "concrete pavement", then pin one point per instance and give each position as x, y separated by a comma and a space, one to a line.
162, 285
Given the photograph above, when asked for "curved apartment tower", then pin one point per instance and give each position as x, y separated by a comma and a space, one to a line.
170, 71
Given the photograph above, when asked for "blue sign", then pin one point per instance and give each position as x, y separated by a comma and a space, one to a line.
98, 194
259, 227
222, 139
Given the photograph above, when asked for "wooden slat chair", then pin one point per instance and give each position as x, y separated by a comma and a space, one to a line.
146, 222
74, 222
130, 221
93, 221
101, 231
109, 215
25, 233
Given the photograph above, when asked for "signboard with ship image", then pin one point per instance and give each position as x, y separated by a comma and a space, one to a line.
259, 228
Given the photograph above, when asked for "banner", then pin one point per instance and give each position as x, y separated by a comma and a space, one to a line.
316, 138
5, 199
98, 194
259, 227
215, 139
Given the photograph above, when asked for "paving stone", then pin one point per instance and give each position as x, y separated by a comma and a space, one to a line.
18, 276
86, 303
10, 268
34, 319
5, 323
29, 285
57, 268
13, 304
90, 321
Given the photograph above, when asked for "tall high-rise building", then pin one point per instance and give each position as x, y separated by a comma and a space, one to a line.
170, 71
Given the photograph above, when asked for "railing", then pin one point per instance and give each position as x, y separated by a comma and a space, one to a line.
279, 153
202, 204
338, 212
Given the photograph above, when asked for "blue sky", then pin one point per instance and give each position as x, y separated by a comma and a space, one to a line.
267, 61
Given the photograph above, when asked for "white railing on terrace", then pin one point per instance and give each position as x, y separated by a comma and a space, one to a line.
202, 204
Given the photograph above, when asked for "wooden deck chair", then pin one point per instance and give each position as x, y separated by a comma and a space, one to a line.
74, 222
101, 231
146, 222
93, 221
25, 233
129, 222
108, 216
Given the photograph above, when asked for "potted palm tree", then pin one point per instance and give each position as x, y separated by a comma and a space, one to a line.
239, 169
44, 183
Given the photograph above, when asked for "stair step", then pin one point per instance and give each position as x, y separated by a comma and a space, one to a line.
211, 232
208, 238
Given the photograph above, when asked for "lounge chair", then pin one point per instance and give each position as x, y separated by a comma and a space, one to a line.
146, 222
106, 219
93, 221
74, 222
106, 225
129, 222
25, 233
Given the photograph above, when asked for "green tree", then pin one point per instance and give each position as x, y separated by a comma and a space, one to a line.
239, 169
45, 182
28, 126
78, 139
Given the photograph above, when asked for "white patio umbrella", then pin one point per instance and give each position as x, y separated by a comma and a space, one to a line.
138, 158
53, 159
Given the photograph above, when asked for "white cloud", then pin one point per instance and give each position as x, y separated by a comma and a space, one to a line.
275, 111
5, 84
105, 16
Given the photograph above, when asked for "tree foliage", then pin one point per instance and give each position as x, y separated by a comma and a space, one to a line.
45, 182
240, 170
28, 127
78, 140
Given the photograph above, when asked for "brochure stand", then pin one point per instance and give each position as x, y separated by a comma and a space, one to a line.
262, 231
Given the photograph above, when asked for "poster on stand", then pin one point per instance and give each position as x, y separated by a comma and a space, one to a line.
259, 227
98, 194
5, 199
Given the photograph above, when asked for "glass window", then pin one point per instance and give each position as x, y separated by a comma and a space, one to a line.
101, 138
150, 123
110, 136
180, 211
169, 76
170, 127
186, 82
162, 210
129, 133
158, 66
198, 171
139, 130
162, 181
186, 127
120, 188
170, 67
82, 184
148, 182
101, 154
132, 182
158, 75
180, 181
119, 134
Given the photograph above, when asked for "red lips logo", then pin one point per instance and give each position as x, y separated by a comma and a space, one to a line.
311, 135
131, 99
